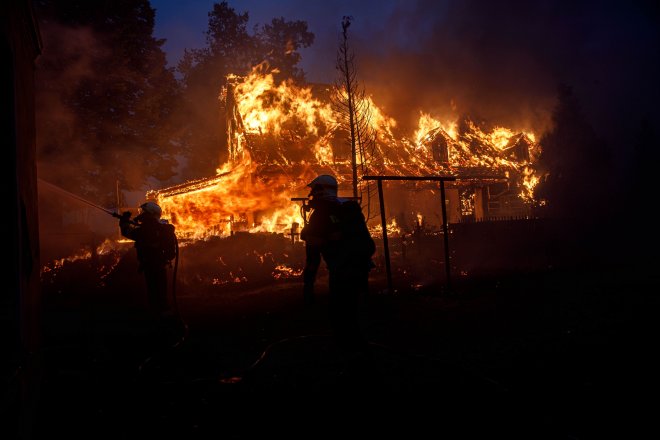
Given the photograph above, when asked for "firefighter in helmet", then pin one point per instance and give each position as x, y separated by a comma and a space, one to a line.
155, 243
324, 187
337, 230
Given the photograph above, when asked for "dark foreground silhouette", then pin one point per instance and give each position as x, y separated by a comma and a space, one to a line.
552, 354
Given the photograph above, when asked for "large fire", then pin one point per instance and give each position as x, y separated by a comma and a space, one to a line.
280, 136
234, 200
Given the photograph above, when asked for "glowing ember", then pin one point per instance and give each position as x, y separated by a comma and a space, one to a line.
107, 247
284, 272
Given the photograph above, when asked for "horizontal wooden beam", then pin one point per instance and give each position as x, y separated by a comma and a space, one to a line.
432, 178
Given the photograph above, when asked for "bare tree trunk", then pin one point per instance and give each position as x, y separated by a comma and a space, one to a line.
353, 109
351, 102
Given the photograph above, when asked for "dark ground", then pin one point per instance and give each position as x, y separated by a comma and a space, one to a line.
560, 353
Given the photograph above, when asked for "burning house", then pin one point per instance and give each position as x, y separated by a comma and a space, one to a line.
280, 136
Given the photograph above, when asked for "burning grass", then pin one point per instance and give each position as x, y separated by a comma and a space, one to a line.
239, 262
216, 265
246, 261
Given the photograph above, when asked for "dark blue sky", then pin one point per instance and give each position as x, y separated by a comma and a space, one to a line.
498, 60
184, 26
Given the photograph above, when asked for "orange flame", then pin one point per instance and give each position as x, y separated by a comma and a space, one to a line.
231, 203
245, 195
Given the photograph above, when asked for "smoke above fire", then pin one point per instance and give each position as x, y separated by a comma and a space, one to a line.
84, 135
459, 66
501, 62
67, 154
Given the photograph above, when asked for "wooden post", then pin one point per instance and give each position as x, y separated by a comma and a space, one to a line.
445, 220
445, 232
386, 248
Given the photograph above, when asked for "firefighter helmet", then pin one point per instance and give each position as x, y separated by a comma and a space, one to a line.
324, 187
151, 209
324, 180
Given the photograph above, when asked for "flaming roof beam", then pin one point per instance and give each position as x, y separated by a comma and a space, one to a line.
186, 187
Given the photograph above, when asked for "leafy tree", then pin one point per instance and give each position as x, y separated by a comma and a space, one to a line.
640, 192
105, 97
278, 44
204, 71
646, 156
575, 163
230, 49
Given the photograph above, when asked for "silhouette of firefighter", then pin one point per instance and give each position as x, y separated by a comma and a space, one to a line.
312, 263
337, 231
155, 244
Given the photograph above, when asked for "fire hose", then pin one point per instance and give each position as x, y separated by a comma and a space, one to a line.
87, 202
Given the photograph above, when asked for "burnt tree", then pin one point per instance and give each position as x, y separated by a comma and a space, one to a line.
353, 108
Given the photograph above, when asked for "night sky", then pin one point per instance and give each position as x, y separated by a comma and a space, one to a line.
499, 61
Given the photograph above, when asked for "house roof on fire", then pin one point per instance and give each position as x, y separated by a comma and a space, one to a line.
468, 153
